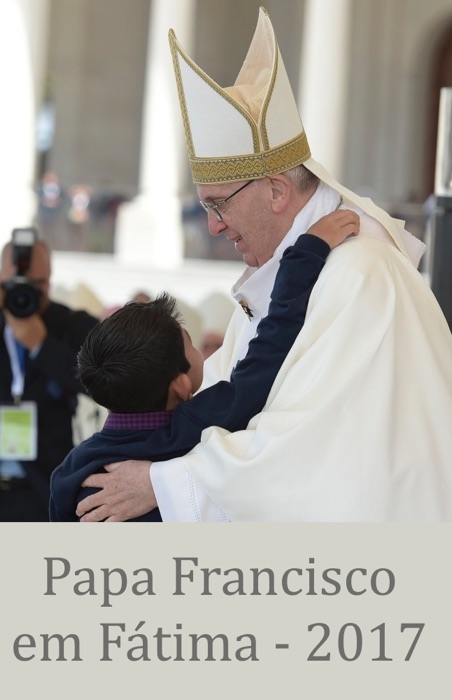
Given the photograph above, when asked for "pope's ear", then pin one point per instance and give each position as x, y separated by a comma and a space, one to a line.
280, 190
181, 387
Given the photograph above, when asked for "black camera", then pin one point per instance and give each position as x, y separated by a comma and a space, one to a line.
22, 298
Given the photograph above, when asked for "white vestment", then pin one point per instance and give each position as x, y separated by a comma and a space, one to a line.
358, 424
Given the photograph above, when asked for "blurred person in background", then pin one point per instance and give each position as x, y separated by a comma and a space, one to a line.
39, 341
216, 311
52, 200
142, 297
211, 341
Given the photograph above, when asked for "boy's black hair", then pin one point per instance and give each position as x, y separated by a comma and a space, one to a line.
128, 361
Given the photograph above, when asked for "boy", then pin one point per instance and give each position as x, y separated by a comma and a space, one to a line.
141, 365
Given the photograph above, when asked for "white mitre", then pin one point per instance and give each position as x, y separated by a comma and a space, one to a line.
253, 129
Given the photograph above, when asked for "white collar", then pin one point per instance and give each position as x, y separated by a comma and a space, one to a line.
256, 284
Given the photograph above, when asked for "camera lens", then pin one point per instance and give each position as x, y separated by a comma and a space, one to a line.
21, 299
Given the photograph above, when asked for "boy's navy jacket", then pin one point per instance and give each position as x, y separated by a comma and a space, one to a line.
227, 404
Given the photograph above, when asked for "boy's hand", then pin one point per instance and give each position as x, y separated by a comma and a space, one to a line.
334, 228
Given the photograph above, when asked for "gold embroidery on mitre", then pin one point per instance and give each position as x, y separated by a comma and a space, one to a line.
267, 100
264, 160
251, 166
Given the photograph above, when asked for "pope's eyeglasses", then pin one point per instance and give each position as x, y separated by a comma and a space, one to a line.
215, 208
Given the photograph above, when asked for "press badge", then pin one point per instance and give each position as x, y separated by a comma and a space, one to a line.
18, 431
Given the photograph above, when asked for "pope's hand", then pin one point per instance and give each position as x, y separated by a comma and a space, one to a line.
126, 493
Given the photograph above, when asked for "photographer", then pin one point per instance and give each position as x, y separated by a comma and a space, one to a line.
39, 341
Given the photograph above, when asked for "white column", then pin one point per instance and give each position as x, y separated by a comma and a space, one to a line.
323, 79
22, 40
149, 228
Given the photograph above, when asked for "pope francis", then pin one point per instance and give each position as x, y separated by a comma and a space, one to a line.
358, 424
